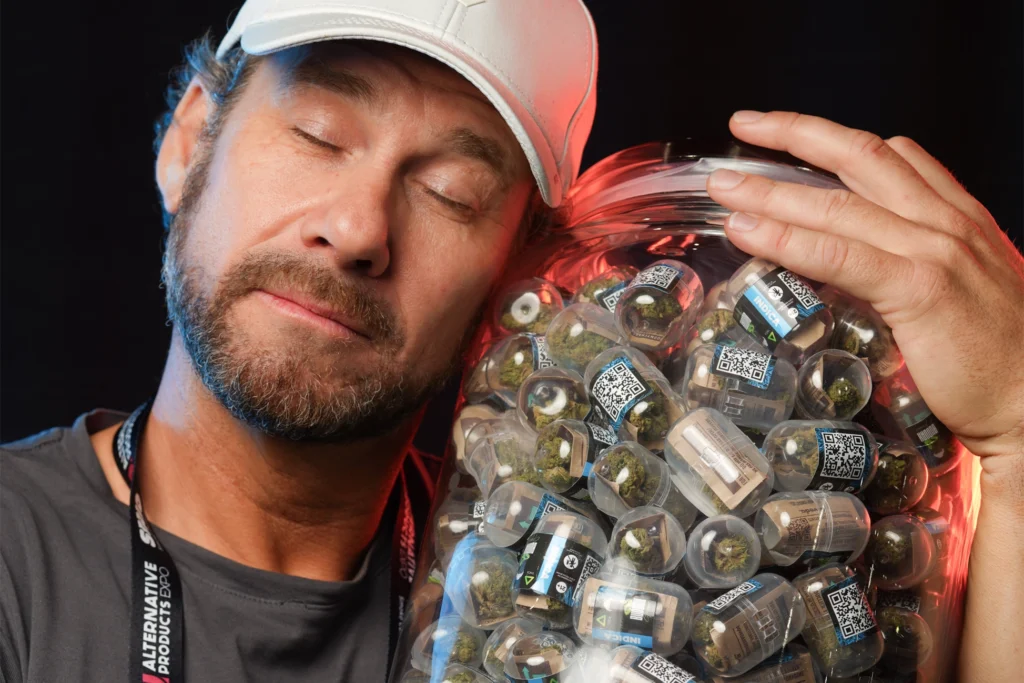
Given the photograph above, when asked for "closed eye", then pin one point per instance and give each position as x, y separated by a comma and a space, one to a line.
314, 140
451, 203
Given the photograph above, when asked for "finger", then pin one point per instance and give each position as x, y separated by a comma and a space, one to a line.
936, 175
860, 269
862, 160
838, 211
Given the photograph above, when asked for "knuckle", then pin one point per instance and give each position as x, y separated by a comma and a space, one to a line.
958, 223
949, 250
902, 143
784, 238
835, 203
863, 143
831, 251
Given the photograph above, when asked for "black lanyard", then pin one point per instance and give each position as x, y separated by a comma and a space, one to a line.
157, 643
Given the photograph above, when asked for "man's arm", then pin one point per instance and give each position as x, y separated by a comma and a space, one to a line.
911, 241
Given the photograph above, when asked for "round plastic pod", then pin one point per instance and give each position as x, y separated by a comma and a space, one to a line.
627, 476
513, 359
563, 550
718, 298
751, 388
457, 673
908, 639
565, 454
527, 306
743, 627
579, 333
631, 664
832, 385
860, 330
501, 640
542, 657
659, 304
900, 553
479, 582
447, 641
551, 394
470, 416
715, 327
793, 664
502, 451
821, 455
650, 539
477, 388
841, 629
716, 466
780, 310
621, 609
458, 515
900, 481
631, 395
723, 552
605, 289
812, 527
515, 508
903, 414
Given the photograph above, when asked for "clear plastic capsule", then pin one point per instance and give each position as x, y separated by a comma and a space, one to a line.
901, 552
794, 664
821, 454
605, 289
716, 466
743, 627
515, 508
861, 331
450, 638
478, 582
502, 451
718, 298
659, 304
459, 515
841, 629
751, 388
563, 550
631, 664
650, 539
614, 609
718, 326
832, 385
470, 416
513, 359
900, 481
528, 306
499, 643
551, 394
630, 395
579, 333
908, 639
543, 656
723, 552
812, 527
565, 453
780, 309
628, 476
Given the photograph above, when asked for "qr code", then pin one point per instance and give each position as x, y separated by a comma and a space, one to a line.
744, 363
660, 276
616, 388
610, 298
657, 668
601, 434
902, 599
723, 601
843, 455
591, 565
804, 294
541, 353
850, 611
479, 509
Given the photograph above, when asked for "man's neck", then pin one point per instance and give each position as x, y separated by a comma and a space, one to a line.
308, 510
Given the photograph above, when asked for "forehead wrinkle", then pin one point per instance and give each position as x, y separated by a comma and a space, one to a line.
312, 70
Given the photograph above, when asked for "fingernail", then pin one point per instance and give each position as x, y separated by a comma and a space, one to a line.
742, 222
724, 179
747, 116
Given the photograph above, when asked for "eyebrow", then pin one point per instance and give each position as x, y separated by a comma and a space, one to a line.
317, 73
465, 142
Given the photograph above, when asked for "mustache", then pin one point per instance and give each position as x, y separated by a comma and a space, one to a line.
342, 294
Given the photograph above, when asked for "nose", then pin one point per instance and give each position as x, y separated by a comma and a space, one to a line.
354, 225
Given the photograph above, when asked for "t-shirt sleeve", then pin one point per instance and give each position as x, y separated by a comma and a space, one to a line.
15, 589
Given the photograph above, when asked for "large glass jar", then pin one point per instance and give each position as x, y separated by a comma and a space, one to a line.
635, 208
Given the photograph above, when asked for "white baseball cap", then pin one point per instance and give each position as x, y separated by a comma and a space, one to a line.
535, 60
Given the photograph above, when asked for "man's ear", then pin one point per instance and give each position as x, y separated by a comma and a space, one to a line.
180, 142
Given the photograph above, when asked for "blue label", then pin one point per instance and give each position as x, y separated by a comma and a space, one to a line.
646, 642
768, 312
587, 469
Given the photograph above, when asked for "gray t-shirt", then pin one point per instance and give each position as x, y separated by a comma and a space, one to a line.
65, 587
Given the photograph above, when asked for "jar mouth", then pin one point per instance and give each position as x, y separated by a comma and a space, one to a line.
672, 175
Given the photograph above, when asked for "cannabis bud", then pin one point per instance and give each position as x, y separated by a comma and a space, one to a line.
579, 334
528, 306
552, 394
659, 304
723, 551
833, 385
605, 289
651, 539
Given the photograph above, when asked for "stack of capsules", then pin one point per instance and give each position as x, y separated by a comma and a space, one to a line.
659, 479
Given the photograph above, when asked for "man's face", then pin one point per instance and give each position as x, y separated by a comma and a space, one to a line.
336, 241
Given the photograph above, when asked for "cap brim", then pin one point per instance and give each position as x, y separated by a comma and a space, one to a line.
284, 31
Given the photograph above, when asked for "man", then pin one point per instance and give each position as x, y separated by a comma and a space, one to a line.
342, 192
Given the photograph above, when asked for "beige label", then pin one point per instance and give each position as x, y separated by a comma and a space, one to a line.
723, 467
815, 396
834, 527
578, 449
664, 618
764, 629
512, 634
800, 669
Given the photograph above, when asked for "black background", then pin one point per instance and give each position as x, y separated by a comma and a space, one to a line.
81, 311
